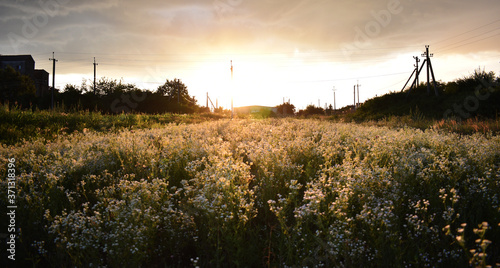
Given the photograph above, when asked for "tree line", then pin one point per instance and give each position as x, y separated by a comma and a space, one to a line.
114, 96
107, 96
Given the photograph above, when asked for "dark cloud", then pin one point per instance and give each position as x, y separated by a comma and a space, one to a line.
304, 23
170, 28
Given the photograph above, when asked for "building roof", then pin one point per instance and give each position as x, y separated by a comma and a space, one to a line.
41, 71
16, 58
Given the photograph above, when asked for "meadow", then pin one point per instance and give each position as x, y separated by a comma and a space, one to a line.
17, 125
256, 193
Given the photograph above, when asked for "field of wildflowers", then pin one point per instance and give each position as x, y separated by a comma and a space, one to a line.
254, 193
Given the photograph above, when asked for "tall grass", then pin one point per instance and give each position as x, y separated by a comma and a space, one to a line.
17, 124
252, 193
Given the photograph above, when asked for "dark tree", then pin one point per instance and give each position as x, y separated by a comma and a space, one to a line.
311, 109
71, 96
286, 108
176, 91
16, 88
106, 86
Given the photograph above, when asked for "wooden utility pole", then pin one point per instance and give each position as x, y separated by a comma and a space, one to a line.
208, 99
334, 106
428, 56
417, 71
95, 64
354, 97
357, 84
417, 60
53, 59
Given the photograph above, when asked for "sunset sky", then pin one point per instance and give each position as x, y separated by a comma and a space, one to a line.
293, 49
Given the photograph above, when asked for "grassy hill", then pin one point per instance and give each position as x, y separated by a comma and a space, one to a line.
475, 96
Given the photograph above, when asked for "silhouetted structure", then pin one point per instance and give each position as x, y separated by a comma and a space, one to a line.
417, 71
41, 78
25, 65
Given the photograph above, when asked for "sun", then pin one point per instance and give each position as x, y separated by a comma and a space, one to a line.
251, 82
268, 80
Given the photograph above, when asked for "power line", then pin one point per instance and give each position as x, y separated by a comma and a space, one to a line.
391, 85
309, 55
317, 81
455, 43
471, 42
196, 55
350, 78
495, 21
304, 58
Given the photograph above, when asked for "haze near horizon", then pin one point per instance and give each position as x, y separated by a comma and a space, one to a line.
298, 50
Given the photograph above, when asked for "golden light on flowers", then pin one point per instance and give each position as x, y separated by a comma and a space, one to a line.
325, 194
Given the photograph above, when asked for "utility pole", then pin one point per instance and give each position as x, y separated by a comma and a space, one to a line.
208, 99
53, 59
284, 107
95, 64
428, 56
417, 71
334, 106
357, 84
417, 60
232, 89
354, 97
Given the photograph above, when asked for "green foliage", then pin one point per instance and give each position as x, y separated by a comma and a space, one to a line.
111, 96
263, 114
478, 78
252, 193
311, 110
476, 95
16, 89
286, 108
175, 90
17, 124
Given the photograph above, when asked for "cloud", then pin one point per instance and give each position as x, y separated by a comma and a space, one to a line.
306, 24
178, 27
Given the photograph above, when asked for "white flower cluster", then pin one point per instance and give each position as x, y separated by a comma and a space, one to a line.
120, 226
257, 192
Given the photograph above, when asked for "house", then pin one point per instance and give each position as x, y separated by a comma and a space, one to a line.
41, 79
25, 65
